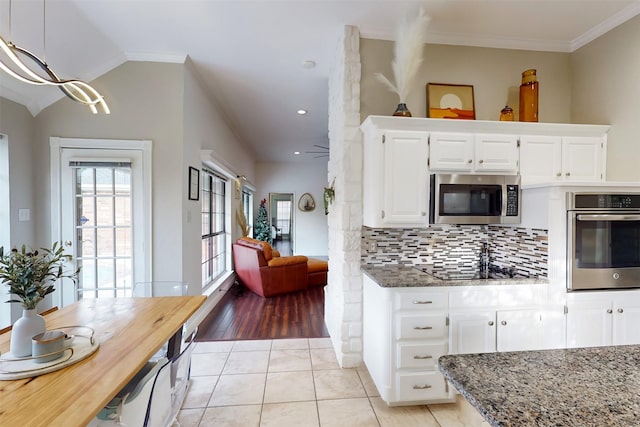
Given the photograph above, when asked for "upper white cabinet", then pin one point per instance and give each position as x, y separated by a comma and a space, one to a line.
545, 159
473, 153
399, 153
396, 178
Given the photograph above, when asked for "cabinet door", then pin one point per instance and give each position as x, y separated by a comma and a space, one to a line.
451, 152
406, 179
472, 332
519, 330
589, 323
582, 159
496, 153
626, 319
540, 159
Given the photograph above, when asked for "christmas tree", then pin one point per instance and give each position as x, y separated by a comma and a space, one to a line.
261, 229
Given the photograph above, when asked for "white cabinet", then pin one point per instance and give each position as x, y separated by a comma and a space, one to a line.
473, 153
562, 159
395, 178
490, 331
603, 318
404, 334
495, 318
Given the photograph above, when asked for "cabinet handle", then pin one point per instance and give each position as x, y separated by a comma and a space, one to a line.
490, 322
620, 310
423, 214
481, 161
421, 387
559, 174
417, 357
422, 302
609, 311
422, 328
469, 161
567, 174
503, 323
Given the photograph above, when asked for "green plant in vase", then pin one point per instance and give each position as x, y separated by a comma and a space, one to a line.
31, 275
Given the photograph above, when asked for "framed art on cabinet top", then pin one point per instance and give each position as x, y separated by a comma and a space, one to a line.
450, 101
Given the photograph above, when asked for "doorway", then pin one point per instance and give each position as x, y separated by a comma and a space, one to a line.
281, 217
100, 210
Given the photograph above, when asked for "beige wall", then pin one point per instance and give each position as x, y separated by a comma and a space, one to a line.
146, 103
17, 123
606, 89
205, 128
494, 73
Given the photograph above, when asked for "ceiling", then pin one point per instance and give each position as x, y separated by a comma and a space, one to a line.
250, 54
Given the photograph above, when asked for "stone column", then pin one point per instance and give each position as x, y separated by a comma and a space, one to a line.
343, 294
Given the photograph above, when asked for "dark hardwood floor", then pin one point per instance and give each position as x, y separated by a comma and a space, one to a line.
243, 315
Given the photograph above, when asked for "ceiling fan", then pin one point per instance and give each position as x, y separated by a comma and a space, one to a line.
323, 153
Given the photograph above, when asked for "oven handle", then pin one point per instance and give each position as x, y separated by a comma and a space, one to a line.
605, 217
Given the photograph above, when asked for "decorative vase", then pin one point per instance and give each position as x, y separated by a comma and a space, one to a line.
402, 111
29, 325
529, 97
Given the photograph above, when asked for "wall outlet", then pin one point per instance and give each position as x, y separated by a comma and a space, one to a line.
373, 246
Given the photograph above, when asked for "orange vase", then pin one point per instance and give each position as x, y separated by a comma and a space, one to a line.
529, 97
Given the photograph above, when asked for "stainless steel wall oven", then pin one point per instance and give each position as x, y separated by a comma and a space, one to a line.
603, 241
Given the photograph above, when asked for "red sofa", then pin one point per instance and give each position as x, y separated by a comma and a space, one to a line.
261, 268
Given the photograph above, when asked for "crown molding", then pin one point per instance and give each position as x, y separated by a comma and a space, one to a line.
619, 18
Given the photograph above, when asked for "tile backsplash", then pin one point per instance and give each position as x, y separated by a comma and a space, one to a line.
458, 247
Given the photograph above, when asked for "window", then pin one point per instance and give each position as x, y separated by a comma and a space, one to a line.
247, 205
214, 252
283, 216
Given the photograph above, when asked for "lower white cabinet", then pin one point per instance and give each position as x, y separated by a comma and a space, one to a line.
406, 330
490, 331
404, 334
603, 318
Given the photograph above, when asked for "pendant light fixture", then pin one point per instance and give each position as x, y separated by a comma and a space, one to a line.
77, 90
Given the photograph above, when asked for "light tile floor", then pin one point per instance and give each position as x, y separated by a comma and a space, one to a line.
296, 382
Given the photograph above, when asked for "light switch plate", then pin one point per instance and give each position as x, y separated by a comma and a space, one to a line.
24, 214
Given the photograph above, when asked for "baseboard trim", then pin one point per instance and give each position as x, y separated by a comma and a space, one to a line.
212, 299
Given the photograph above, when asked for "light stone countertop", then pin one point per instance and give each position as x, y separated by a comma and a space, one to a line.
398, 276
598, 386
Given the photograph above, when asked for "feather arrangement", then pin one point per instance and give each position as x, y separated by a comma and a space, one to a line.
409, 46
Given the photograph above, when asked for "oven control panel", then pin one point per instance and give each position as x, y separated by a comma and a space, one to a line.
604, 201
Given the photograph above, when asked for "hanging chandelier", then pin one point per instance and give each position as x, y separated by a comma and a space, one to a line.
76, 90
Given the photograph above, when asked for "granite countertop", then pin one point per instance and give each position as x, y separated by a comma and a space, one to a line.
396, 276
598, 386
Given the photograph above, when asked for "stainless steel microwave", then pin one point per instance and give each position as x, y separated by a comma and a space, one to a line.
474, 199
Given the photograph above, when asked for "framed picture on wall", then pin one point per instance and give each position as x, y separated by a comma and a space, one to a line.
194, 183
448, 101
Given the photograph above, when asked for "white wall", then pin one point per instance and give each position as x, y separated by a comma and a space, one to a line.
310, 231
606, 89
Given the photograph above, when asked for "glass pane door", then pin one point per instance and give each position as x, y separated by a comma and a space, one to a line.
103, 229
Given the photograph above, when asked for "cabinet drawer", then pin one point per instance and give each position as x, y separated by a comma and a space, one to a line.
419, 386
422, 301
422, 326
420, 356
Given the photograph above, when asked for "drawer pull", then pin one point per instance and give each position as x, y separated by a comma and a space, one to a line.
421, 387
428, 356
422, 328
422, 302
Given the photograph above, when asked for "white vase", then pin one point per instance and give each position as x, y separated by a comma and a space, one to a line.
30, 324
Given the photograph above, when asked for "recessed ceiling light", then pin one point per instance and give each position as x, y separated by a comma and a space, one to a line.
296, 152
308, 64
302, 112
